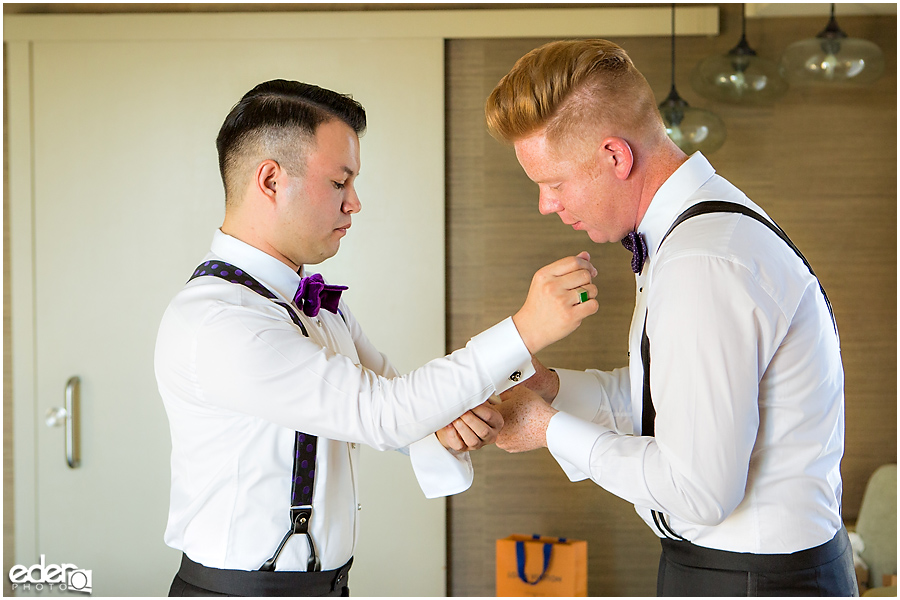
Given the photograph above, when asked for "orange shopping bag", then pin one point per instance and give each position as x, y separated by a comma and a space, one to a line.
531, 565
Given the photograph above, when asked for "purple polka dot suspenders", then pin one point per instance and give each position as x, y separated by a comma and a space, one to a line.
234, 275
304, 471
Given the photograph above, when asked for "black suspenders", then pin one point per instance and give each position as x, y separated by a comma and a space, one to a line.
303, 471
648, 413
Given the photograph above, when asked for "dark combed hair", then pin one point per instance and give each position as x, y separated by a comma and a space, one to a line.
274, 106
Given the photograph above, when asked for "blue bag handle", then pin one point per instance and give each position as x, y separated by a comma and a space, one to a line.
520, 559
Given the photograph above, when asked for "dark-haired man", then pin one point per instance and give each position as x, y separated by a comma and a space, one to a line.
270, 384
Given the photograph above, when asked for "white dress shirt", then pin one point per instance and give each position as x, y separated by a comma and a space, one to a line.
746, 380
238, 378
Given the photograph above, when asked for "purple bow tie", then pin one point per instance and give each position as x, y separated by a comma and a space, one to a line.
314, 294
635, 242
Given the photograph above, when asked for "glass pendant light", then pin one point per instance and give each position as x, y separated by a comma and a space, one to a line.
739, 77
691, 129
833, 58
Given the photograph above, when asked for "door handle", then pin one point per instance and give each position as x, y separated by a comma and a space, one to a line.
71, 416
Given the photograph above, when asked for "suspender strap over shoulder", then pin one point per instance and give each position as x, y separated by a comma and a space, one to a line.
720, 206
648, 411
304, 470
233, 274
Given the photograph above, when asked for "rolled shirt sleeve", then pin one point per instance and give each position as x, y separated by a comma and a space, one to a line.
440, 471
444, 472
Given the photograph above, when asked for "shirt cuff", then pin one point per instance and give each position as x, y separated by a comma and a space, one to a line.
574, 388
571, 441
439, 471
503, 355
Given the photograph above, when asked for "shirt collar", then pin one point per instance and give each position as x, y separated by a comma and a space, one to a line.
669, 200
266, 269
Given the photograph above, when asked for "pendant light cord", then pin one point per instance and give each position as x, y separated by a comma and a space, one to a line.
832, 30
673, 97
744, 20
743, 48
673, 46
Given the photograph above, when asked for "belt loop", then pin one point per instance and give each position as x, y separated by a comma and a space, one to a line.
341, 575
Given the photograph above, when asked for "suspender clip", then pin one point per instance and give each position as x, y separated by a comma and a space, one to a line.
300, 516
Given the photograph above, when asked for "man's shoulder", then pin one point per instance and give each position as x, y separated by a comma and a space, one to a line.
733, 250
725, 234
202, 299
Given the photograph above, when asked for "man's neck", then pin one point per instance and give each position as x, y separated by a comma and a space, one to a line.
662, 165
252, 236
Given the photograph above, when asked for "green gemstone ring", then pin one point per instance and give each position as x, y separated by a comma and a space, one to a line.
583, 295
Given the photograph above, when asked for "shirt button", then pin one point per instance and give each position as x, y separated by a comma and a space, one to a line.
318, 322
516, 376
353, 445
359, 507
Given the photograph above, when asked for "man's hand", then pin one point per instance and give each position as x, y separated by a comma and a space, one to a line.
473, 430
553, 308
525, 420
544, 381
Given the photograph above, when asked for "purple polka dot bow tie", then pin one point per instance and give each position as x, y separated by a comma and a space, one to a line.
635, 243
314, 294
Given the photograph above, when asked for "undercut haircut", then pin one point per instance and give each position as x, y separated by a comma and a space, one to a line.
277, 120
576, 89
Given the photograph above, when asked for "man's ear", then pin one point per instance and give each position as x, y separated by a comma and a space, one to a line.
268, 172
618, 153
